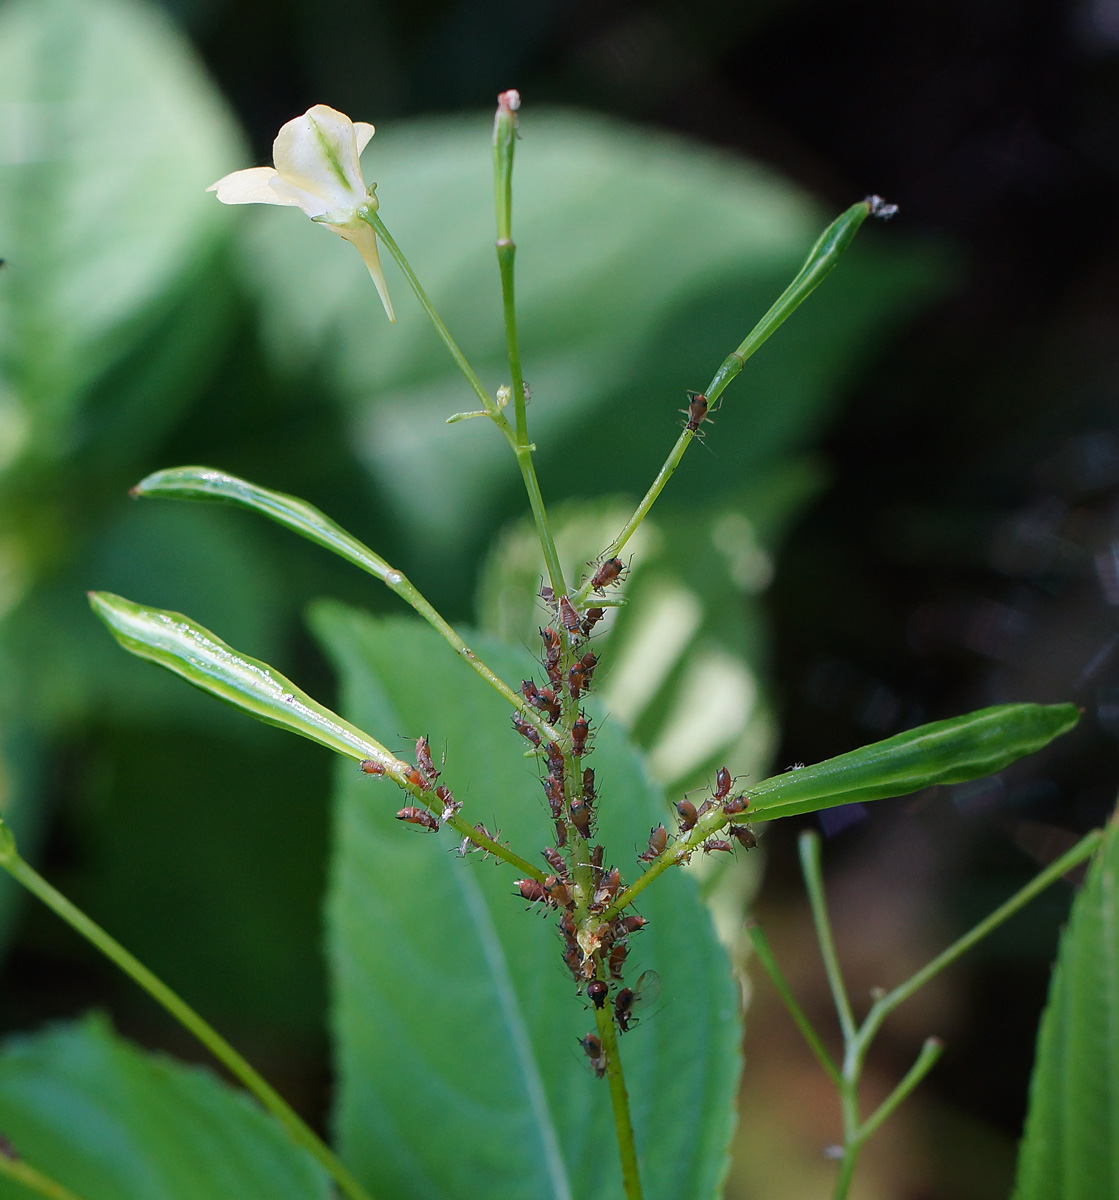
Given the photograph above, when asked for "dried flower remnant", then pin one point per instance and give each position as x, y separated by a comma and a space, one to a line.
317, 168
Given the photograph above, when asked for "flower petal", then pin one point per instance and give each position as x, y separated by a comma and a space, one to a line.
364, 132
318, 153
362, 236
252, 186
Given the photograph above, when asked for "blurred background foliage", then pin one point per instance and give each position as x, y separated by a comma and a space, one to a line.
907, 507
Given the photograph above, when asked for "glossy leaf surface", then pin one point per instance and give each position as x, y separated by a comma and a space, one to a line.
951, 751
113, 1123
1071, 1145
181, 645
455, 1020
207, 483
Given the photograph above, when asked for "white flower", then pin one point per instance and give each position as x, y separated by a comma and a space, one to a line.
318, 170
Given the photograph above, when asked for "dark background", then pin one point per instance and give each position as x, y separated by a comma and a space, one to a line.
967, 550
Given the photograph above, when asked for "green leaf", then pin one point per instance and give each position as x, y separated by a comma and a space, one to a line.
112, 1123
950, 751
110, 133
456, 1023
1071, 1145
207, 483
179, 644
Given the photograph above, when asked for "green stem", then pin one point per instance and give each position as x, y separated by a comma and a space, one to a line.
821, 261
766, 957
619, 1100
808, 844
297, 1130
17, 1168
488, 402
931, 1050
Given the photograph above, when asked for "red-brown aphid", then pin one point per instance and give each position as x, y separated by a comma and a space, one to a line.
416, 778
607, 889
632, 923
686, 811
553, 789
573, 959
372, 767
697, 411
525, 729
744, 835
581, 815
575, 681
658, 839
568, 616
559, 893
618, 960
451, 806
418, 816
722, 784
589, 793
607, 574
592, 1047
553, 647
736, 804
561, 833
594, 615
532, 890
713, 844
423, 760
556, 861
580, 731
555, 760
596, 857
597, 990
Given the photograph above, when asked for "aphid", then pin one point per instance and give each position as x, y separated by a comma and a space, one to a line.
618, 960
608, 573
722, 783
575, 680
451, 806
594, 615
555, 760
553, 789
530, 692
598, 990
423, 760
697, 411
372, 767
658, 839
467, 846
736, 804
416, 778
744, 834
525, 729
546, 594
592, 1047
596, 857
580, 812
713, 844
685, 810
589, 793
632, 923
561, 833
552, 648
418, 816
568, 615
559, 893
588, 662
556, 861
580, 731
628, 1000
607, 889
573, 959
532, 890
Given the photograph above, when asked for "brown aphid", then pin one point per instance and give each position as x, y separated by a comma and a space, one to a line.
559, 893
736, 804
596, 857
555, 759
372, 767
568, 616
451, 806
597, 991
561, 833
553, 789
532, 890
573, 960
696, 411
580, 731
608, 573
594, 615
418, 816
581, 814
525, 729
607, 889
589, 794
530, 692
423, 760
576, 679
417, 779
744, 835
658, 839
713, 844
645, 991
553, 647
617, 960
588, 662
546, 594
722, 783
632, 923
686, 811
556, 861
592, 1047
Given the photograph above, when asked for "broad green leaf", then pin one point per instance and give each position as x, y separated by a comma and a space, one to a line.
113, 1123
181, 645
1071, 1145
455, 1020
642, 261
950, 751
109, 134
